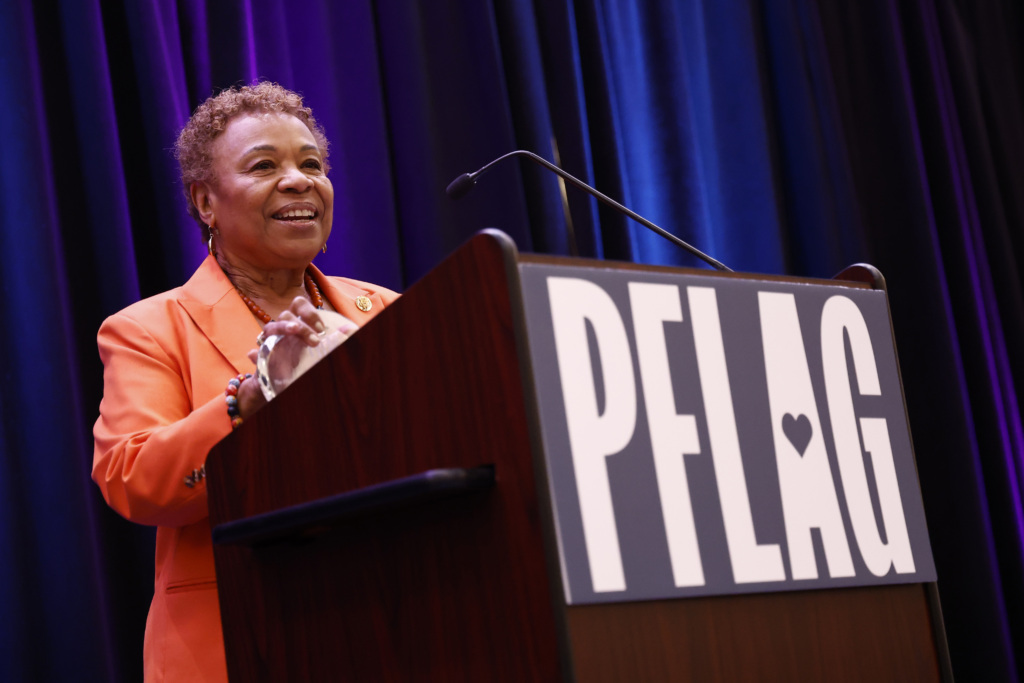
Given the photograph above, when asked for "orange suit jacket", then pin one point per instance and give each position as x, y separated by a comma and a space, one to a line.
166, 362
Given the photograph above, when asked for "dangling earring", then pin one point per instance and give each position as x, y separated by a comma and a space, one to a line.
324, 247
209, 244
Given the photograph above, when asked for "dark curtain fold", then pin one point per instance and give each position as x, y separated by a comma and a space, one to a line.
917, 192
796, 136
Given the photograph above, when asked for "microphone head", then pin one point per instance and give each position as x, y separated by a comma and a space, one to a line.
461, 186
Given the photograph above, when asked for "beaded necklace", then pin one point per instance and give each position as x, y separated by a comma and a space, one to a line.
264, 317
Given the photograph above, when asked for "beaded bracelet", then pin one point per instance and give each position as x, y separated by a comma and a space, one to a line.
231, 398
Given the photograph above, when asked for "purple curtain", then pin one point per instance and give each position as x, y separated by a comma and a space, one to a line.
796, 136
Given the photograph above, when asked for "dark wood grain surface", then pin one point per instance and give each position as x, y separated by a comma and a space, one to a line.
876, 634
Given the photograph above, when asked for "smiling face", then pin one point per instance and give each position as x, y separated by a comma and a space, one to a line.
271, 201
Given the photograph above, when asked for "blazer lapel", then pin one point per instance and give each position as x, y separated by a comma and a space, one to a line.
211, 301
342, 296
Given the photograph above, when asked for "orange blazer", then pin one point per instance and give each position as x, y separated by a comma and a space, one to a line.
166, 362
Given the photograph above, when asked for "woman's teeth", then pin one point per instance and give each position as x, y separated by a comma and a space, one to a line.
297, 214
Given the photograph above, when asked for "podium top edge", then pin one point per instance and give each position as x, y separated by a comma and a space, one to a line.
549, 260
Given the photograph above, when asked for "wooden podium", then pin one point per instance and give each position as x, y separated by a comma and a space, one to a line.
390, 517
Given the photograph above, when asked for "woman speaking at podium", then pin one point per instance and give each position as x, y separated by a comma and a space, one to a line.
177, 366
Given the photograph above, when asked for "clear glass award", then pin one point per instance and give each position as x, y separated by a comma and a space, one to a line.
284, 358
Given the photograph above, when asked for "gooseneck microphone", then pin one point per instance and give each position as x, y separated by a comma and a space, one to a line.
465, 182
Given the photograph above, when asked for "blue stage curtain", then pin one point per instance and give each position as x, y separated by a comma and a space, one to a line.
793, 136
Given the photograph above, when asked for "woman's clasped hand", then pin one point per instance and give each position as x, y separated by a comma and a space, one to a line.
291, 345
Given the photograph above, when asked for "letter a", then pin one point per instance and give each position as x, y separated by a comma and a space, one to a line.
808, 490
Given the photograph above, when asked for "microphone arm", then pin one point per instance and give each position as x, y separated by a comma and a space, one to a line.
465, 182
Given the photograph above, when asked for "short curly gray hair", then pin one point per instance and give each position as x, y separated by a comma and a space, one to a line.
192, 149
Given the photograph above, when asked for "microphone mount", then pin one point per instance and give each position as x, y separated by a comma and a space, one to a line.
465, 182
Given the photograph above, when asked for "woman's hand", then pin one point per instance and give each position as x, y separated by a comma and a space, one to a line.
250, 397
302, 325
301, 320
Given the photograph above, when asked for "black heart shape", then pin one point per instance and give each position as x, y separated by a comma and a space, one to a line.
798, 430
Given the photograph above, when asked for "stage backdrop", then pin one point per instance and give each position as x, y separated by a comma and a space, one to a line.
793, 136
